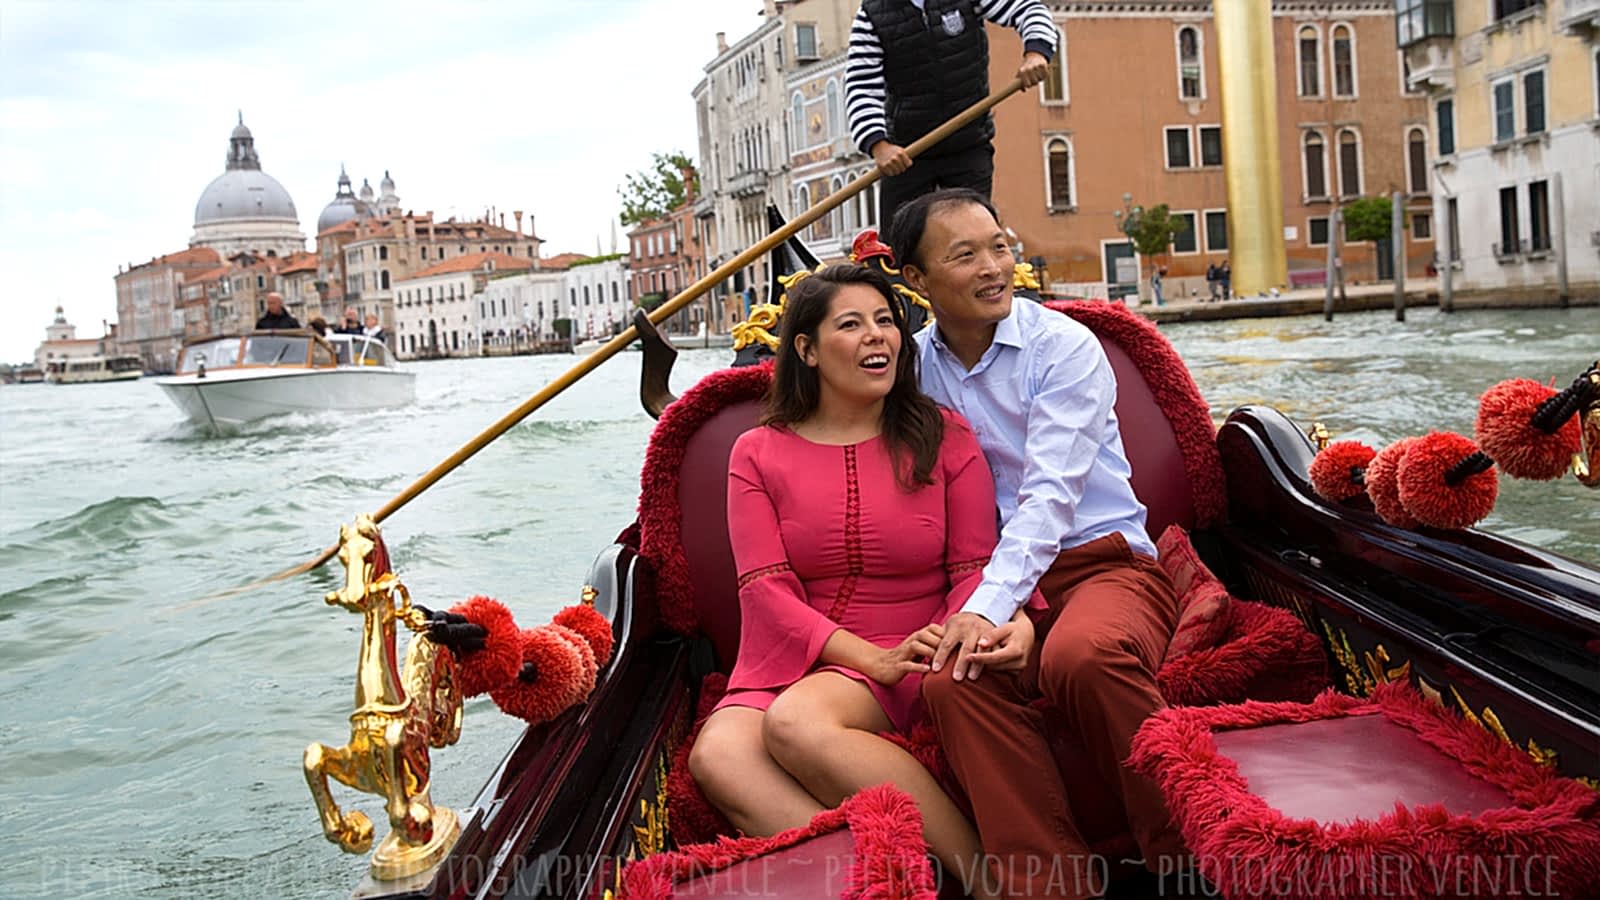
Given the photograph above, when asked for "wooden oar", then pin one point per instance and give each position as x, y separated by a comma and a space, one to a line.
660, 314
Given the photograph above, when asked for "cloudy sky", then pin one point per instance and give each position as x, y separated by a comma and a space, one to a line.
115, 115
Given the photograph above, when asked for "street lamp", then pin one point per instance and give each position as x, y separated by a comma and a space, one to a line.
1128, 216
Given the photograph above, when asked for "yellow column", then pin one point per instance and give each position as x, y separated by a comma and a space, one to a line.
1250, 144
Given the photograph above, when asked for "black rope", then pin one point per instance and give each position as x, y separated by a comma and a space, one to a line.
1469, 466
1558, 408
1358, 476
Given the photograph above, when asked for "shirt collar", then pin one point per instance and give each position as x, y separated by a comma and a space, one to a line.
1007, 332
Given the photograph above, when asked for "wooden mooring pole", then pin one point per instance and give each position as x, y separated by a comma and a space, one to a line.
1397, 239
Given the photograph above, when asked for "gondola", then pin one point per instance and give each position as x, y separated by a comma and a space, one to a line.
1500, 638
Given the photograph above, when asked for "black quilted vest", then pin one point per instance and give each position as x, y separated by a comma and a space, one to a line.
931, 74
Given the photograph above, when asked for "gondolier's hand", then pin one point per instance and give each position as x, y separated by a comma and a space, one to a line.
1034, 68
961, 634
910, 656
890, 157
1006, 648
454, 631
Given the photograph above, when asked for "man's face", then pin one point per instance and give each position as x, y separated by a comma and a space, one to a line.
372, 321
966, 267
274, 304
350, 316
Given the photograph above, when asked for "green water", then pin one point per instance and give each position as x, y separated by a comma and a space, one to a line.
152, 740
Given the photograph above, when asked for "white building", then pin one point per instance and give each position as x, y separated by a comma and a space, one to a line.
61, 341
436, 310
517, 306
598, 297
245, 210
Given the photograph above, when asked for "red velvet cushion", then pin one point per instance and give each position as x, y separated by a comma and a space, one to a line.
1203, 601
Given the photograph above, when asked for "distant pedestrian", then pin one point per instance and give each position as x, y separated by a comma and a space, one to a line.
1213, 282
1225, 275
1155, 285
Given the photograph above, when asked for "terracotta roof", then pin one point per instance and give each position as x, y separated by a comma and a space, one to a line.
194, 256
298, 262
347, 225
473, 262
207, 275
562, 260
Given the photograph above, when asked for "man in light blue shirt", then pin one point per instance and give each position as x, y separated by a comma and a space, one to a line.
1039, 392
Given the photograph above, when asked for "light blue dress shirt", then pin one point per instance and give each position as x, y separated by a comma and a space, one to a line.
1040, 400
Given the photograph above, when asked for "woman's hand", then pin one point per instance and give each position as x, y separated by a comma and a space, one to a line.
911, 655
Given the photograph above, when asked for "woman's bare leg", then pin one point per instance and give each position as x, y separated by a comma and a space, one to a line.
732, 766
824, 731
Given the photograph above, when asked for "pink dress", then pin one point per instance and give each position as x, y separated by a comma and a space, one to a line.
824, 538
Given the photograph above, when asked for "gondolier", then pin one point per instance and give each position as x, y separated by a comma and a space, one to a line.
915, 63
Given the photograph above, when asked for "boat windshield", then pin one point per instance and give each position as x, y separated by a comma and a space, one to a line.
214, 354
372, 353
276, 350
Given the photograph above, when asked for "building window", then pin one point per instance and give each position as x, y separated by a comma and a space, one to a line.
1188, 239
835, 120
1422, 226
1191, 75
798, 123
1054, 88
1349, 163
836, 223
424, 251
1505, 111
1510, 231
805, 42
383, 280
1533, 102
1417, 160
1210, 145
1058, 163
1317, 231
1315, 159
1539, 215
1216, 230
1452, 216
383, 252
1418, 20
1504, 8
1445, 113
1178, 152
1309, 49
1344, 61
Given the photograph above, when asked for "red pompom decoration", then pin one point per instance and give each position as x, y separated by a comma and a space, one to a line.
868, 245
585, 620
559, 682
1506, 433
501, 657
1383, 484
1338, 472
1441, 486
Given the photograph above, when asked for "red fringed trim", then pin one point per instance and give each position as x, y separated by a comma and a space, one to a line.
890, 855
1241, 843
592, 627
1505, 431
692, 816
659, 512
1333, 472
1429, 498
1175, 391
1267, 654
565, 675
501, 657
1383, 484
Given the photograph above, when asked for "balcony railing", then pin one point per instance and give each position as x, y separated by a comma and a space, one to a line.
748, 183
1432, 65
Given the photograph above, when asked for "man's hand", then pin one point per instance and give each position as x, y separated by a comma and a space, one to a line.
1034, 69
962, 632
892, 158
896, 663
1006, 649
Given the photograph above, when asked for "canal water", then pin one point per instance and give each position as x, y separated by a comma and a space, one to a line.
153, 736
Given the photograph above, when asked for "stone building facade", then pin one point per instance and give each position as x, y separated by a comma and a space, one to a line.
436, 309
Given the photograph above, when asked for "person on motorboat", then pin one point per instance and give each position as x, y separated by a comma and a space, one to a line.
351, 323
859, 513
1039, 391
319, 325
276, 318
374, 330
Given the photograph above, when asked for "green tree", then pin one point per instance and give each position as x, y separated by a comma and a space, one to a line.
1368, 219
652, 193
1152, 230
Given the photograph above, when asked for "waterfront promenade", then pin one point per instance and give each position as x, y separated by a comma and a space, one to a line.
1422, 292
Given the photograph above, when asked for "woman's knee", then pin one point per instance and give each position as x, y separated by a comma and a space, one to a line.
792, 730
719, 753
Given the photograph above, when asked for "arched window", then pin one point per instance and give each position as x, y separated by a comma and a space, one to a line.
837, 217
1308, 47
1191, 77
1058, 180
1344, 61
1417, 160
383, 279
1054, 88
802, 201
798, 119
1315, 156
835, 120
1349, 163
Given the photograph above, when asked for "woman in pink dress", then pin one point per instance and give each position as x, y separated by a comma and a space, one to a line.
861, 516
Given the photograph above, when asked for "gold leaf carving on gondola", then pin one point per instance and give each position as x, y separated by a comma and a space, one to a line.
759, 328
1382, 673
650, 834
1356, 679
1022, 276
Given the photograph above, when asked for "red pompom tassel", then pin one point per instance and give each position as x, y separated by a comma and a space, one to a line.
1338, 471
595, 628
560, 679
1506, 433
501, 657
1383, 484
868, 245
1426, 491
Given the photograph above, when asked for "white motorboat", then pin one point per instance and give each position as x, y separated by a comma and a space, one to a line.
88, 369
226, 381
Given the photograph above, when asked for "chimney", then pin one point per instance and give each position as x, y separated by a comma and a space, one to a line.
722, 42
502, 220
517, 214
531, 232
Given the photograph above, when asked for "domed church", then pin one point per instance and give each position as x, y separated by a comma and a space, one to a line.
245, 210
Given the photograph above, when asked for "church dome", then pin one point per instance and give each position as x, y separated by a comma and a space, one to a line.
342, 208
243, 191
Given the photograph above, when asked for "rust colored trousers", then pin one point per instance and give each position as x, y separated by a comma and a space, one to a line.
1095, 654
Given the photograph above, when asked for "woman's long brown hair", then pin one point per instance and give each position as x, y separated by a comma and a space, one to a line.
912, 424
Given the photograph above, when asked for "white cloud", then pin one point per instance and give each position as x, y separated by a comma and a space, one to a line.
114, 117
